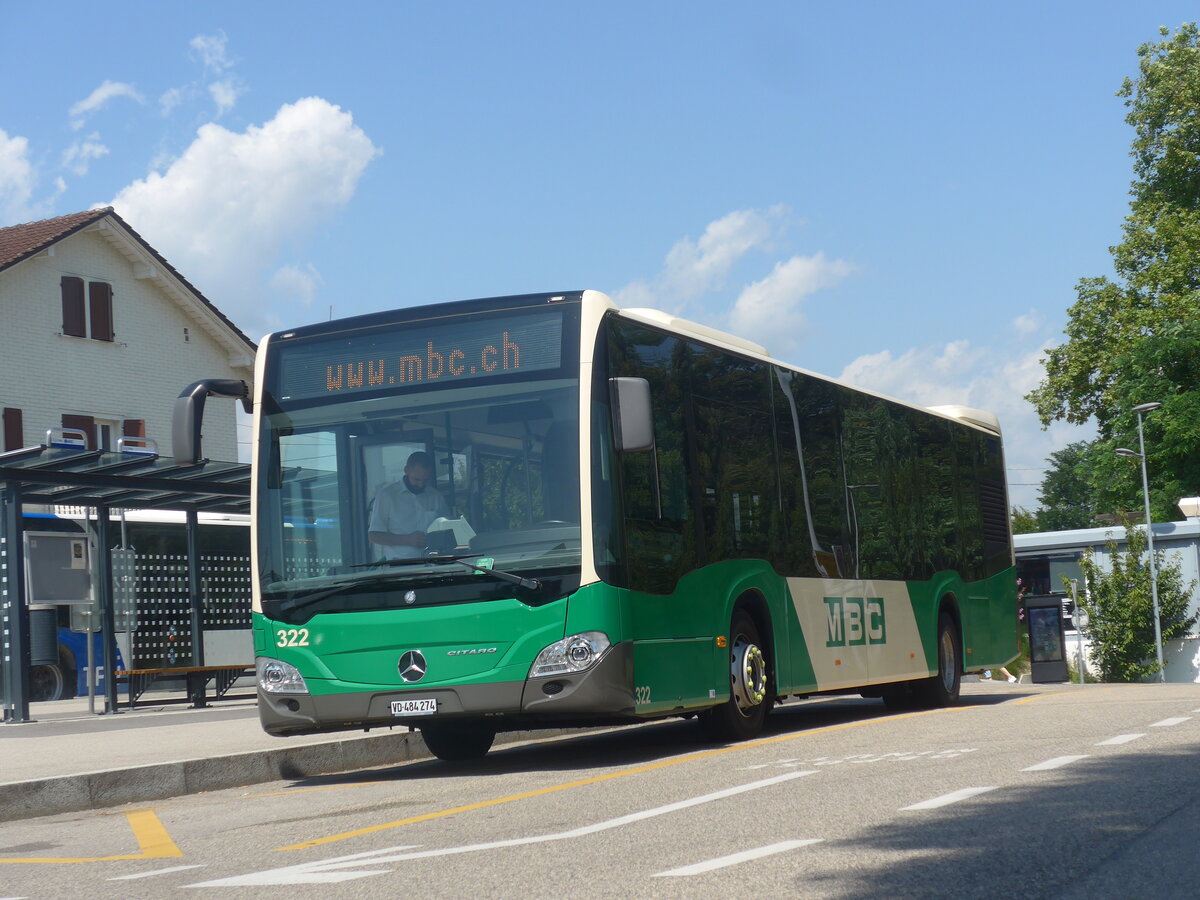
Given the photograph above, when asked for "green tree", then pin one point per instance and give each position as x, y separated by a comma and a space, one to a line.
1135, 339
1023, 521
1066, 494
1121, 608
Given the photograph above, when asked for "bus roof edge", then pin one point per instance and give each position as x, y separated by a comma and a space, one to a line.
666, 320
981, 418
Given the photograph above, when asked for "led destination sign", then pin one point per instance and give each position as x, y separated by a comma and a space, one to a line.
405, 356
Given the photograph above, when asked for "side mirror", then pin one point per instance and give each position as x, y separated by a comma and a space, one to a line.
189, 414
633, 419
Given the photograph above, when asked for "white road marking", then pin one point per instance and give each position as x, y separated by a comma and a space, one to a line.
1167, 723
867, 758
1121, 739
947, 799
341, 868
734, 858
155, 872
1056, 763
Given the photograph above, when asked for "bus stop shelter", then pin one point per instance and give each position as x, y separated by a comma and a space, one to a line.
128, 478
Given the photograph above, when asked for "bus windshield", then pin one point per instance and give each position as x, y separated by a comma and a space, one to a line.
484, 467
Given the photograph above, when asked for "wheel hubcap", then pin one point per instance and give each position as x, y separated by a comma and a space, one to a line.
948, 661
748, 672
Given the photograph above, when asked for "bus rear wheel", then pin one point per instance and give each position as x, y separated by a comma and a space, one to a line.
943, 688
46, 683
458, 741
741, 717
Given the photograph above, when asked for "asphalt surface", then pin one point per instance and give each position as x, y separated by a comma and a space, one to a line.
68, 759
1039, 792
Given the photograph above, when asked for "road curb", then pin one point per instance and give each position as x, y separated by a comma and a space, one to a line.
160, 781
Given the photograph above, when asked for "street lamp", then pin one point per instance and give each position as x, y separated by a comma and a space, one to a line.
1121, 451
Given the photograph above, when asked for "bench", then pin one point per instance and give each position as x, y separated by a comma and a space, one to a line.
196, 677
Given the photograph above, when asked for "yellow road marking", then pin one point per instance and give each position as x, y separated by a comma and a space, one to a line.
151, 836
637, 770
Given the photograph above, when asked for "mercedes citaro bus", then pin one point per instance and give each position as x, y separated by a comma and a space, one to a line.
643, 518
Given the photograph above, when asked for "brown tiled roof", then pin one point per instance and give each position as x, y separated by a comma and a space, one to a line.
19, 242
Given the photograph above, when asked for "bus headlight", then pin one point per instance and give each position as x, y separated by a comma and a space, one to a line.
571, 654
278, 677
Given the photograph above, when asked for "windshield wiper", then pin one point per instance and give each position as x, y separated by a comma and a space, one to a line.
530, 584
287, 606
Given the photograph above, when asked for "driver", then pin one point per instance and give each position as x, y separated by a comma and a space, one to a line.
404, 510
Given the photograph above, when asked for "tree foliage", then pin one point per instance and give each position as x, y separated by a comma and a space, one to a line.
1121, 608
1136, 338
1066, 492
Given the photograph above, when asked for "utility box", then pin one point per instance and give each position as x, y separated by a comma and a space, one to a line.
1047, 646
56, 568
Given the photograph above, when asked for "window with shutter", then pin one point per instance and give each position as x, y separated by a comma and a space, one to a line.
73, 313
86, 424
14, 429
100, 307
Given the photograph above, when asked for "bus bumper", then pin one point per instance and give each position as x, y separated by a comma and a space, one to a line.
604, 690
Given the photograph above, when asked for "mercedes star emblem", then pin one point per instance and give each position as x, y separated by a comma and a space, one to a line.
410, 597
412, 666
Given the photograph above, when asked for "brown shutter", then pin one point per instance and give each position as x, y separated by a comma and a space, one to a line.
86, 424
100, 298
134, 428
14, 429
72, 306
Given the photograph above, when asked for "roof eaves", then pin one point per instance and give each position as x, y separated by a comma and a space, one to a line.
71, 224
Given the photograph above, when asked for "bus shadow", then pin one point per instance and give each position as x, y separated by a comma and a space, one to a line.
632, 745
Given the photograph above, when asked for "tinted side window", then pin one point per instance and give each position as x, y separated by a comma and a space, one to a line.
735, 454
660, 538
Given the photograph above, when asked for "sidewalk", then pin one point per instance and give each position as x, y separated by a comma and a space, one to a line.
69, 760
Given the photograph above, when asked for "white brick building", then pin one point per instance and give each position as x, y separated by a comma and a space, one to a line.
98, 332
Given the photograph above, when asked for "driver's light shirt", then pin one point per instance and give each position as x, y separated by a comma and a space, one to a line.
398, 510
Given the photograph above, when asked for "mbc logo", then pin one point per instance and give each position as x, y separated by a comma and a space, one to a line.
854, 621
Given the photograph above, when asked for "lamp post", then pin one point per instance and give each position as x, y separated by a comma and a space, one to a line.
1121, 451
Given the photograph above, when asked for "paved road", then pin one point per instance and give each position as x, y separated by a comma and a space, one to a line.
1065, 792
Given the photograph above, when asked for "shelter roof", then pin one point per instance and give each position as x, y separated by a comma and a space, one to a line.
129, 479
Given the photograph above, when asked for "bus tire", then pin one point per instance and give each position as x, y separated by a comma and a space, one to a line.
458, 741
943, 688
46, 683
741, 717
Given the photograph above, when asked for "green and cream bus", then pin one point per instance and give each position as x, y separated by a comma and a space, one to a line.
643, 518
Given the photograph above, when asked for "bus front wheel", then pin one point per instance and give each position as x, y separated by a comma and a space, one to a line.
742, 716
458, 741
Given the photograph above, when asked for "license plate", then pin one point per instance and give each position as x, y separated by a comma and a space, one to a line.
423, 706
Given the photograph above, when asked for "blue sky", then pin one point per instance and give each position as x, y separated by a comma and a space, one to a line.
900, 195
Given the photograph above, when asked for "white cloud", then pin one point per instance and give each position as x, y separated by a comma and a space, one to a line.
297, 284
769, 311
995, 379
224, 94
78, 157
694, 268
170, 99
1029, 324
211, 50
98, 98
17, 179
225, 209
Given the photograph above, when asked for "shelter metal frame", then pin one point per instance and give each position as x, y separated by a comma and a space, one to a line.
104, 480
